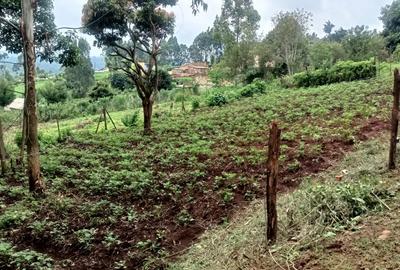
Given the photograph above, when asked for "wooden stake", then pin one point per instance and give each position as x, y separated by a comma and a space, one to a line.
272, 178
105, 118
112, 121
395, 120
98, 124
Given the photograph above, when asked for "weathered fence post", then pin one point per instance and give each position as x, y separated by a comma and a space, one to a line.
395, 120
272, 177
105, 117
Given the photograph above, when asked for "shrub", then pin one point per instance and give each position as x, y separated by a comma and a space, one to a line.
120, 81
217, 100
195, 104
130, 120
164, 80
54, 92
18, 138
257, 87
218, 74
252, 75
7, 94
101, 90
342, 71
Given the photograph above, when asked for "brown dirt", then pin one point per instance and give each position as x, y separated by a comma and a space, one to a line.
206, 209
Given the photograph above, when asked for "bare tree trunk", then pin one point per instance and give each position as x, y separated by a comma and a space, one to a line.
3, 153
24, 112
35, 181
147, 113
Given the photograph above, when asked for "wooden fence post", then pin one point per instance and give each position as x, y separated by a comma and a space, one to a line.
395, 120
272, 177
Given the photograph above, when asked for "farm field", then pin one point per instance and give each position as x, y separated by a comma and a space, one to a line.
143, 200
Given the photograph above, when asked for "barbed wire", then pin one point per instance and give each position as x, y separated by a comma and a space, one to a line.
13, 122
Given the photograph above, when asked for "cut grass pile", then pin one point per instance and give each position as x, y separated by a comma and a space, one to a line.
309, 220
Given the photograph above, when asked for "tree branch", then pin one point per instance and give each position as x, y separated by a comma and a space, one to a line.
16, 28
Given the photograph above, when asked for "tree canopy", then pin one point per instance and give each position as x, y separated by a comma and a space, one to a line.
390, 16
49, 43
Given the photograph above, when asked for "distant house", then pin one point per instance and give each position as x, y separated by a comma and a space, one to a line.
192, 70
17, 104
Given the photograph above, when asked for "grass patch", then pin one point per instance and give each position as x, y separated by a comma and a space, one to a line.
320, 209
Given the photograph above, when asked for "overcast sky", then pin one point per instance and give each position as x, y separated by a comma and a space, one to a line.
343, 13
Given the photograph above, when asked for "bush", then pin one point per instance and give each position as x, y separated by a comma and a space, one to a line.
253, 74
195, 104
342, 71
120, 81
164, 80
18, 138
130, 120
7, 94
101, 90
217, 100
54, 92
257, 87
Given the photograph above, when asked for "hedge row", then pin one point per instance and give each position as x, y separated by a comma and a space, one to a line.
341, 72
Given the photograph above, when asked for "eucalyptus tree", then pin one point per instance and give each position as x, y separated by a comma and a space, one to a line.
27, 27
289, 38
236, 28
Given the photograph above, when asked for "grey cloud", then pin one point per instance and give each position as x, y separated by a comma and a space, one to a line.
345, 13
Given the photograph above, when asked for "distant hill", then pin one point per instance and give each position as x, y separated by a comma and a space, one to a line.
54, 68
98, 62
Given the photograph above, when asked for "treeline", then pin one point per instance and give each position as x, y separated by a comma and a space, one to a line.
235, 51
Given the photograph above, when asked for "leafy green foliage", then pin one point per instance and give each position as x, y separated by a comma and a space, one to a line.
164, 80
206, 47
217, 100
324, 54
80, 77
195, 104
54, 92
390, 18
120, 81
7, 94
288, 39
257, 87
236, 28
101, 91
85, 237
173, 54
51, 45
253, 74
25, 259
130, 120
343, 71
218, 74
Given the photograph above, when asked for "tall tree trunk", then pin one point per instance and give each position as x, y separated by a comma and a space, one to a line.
35, 181
24, 112
3, 153
147, 114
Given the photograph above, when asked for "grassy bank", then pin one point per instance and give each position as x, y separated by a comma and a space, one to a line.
312, 220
